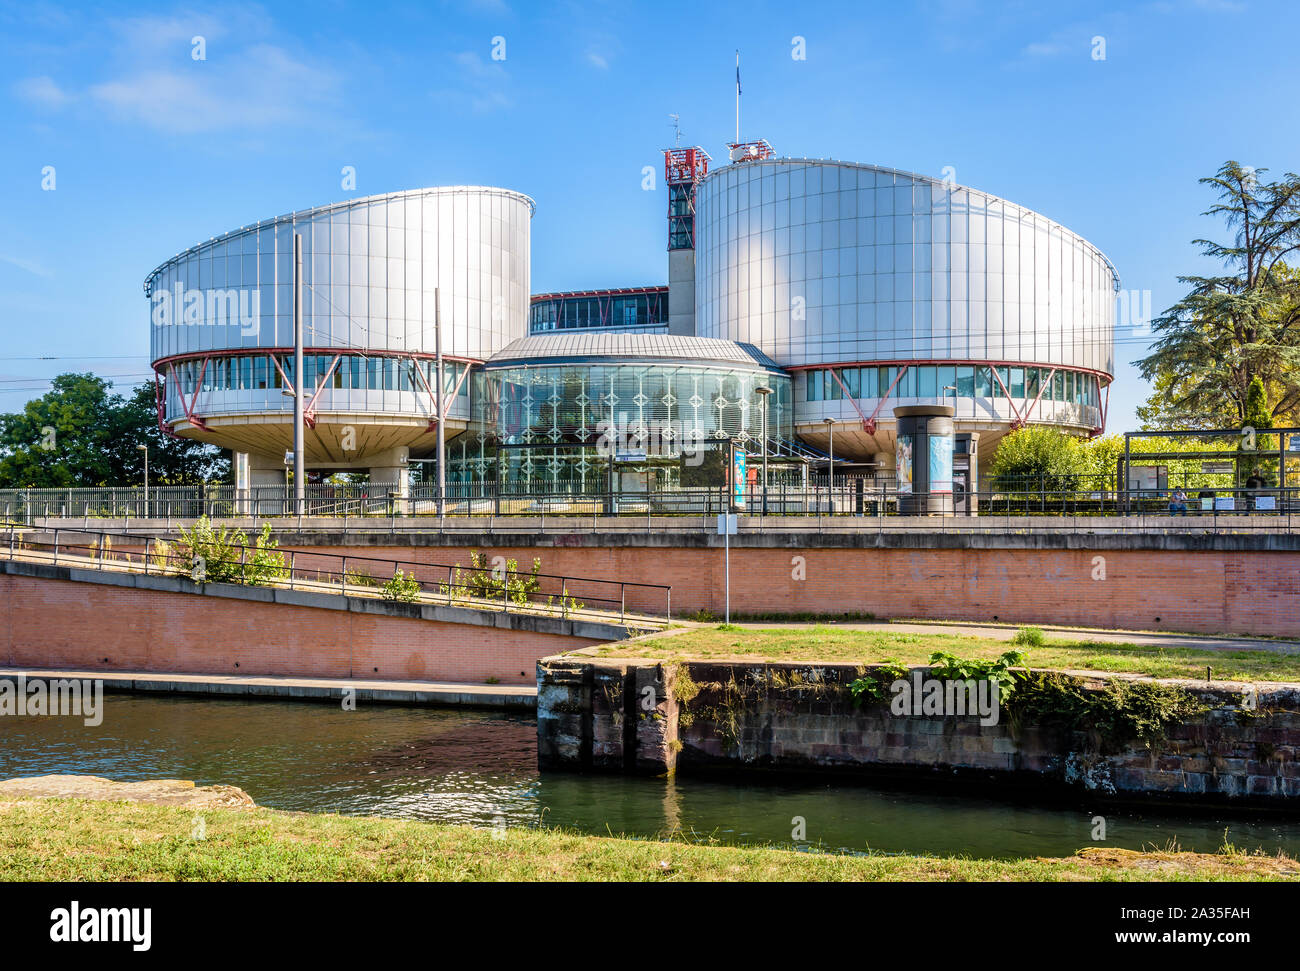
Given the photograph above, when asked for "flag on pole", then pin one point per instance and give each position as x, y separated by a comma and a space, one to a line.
737, 72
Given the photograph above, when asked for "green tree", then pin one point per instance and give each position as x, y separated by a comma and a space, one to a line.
1101, 461
1241, 325
1038, 458
81, 434
172, 461
63, 438
1258, 416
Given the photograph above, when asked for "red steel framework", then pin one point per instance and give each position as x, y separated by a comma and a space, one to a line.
1020, 420
165, 370
683, 170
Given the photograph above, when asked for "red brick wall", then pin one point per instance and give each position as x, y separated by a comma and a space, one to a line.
1180, 590
65, 624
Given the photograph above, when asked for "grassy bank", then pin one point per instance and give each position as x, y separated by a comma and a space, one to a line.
84, 840
866, 646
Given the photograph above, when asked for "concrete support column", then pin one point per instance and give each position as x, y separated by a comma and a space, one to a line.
681, 292
239, 460
267, 485
389, 472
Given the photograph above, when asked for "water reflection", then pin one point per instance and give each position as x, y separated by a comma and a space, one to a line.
476, 767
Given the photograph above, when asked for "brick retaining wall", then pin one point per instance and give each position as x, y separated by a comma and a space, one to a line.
78, 619
1206, 591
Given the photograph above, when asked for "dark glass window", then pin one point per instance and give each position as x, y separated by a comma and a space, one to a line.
965, 382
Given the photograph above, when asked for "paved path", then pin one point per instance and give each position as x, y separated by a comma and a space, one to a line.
1005, 632
432, 693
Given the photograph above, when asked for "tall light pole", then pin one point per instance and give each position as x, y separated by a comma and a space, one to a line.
299, 473
830, 465
145, 449
438, 403
763, 392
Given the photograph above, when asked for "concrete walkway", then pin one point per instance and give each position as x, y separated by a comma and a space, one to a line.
1005, 632
430, 693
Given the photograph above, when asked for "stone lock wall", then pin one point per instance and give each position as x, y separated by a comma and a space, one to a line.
801, 718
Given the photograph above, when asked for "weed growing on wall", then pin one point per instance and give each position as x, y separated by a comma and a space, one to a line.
401, 588
1112, 715
208, 555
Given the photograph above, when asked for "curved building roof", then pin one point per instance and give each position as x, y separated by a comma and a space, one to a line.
306, 215
628, 349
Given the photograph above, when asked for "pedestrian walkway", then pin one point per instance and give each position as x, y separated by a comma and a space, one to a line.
333, 690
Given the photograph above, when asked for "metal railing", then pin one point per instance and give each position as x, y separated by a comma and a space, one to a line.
850, 497
484, 584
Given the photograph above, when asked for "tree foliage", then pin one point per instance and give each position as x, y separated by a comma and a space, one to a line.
1037, 458
81, 434
1240, 325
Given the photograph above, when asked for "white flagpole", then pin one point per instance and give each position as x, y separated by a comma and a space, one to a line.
737, 97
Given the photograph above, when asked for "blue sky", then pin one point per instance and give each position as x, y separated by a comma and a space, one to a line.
154, 151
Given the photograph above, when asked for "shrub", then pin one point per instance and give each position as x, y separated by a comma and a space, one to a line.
874, 685
401, 587
495, 583
209, 555
265, 562
1029, 637
949, 667
1035, 459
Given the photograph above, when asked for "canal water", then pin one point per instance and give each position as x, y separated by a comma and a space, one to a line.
480, 768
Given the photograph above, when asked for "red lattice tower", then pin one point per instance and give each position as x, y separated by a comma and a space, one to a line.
683, 170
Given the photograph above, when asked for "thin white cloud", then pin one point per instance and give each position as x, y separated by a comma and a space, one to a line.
28, 265
259, 87
42, 91
245, 82
597, 60
1044, 49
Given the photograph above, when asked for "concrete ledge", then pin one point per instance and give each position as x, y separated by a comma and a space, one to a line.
537, 623
1232, 532
420, 693
1031, 534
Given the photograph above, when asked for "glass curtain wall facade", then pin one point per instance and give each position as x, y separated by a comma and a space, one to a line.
571, 311
552, 426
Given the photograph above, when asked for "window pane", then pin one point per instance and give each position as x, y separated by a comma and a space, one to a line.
966, 382
947, 379
925, 385
833, 390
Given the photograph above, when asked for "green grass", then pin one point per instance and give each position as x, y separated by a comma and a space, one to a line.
83, 840
865, 646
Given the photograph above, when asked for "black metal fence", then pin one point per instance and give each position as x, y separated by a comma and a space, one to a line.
842, 496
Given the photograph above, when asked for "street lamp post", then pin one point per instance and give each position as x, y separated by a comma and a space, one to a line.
830, 465
763, 392
299, 462
145, 449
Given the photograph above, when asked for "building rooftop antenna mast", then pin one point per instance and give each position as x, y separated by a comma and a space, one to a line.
677, 129
754, 151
